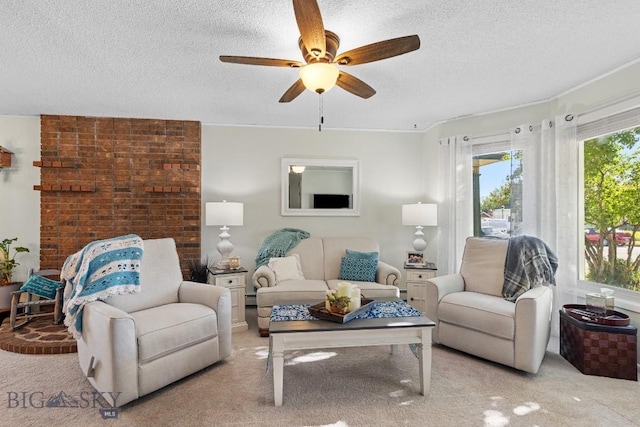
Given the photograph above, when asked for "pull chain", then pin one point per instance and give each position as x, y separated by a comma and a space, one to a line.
320, 114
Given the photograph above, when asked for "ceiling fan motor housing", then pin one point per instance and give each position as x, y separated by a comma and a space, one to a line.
333, 43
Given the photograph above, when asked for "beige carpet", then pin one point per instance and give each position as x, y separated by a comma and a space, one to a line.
350, 387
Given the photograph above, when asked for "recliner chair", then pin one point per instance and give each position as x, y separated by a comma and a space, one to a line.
471, 314
134, 344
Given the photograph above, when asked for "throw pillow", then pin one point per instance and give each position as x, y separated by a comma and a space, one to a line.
286, 268
361, 270
41, 286
361, 255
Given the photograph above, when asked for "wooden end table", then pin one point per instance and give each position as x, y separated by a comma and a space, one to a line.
234, 280
416, 284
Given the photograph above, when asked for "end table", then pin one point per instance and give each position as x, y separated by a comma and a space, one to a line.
416, 284
235, 281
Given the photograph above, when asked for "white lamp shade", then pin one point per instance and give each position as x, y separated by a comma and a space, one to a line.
224, 213
319, 76
420, 214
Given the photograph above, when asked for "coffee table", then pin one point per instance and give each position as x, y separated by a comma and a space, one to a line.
314, 334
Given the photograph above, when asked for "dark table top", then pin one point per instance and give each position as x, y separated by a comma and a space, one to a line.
356, 324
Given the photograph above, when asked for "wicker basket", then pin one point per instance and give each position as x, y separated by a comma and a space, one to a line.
607, 351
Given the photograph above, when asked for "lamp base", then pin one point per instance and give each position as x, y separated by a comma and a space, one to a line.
225, 247
419, 244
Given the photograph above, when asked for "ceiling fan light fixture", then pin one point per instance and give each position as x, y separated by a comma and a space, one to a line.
319, 76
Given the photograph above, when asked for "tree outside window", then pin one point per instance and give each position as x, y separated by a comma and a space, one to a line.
498, 189
612, 209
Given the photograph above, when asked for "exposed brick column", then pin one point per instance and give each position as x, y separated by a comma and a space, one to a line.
105, 177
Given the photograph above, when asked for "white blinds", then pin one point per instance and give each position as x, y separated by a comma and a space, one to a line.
613, 123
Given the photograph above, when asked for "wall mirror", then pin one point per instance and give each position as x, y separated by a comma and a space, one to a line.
320, 187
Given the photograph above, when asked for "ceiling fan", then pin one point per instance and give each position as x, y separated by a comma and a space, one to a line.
319, 72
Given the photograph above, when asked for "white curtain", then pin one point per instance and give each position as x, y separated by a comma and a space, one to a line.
455, 211
569, 219
551, 201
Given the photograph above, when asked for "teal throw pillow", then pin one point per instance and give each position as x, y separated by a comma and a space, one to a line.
41, 286
361, 255
361, 270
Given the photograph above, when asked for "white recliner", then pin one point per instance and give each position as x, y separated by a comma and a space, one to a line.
472, 316
134, 344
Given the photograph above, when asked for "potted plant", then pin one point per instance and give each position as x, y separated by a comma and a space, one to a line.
7, 264
7, 261
198, 271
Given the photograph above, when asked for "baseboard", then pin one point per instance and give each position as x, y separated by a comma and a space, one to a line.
250, 300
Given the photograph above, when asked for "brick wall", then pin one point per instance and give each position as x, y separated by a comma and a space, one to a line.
106, 177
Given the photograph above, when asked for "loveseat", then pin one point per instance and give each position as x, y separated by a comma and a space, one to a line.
472, 315
134, 344
320, 261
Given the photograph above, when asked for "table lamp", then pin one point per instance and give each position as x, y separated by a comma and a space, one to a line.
420, 215
225, 214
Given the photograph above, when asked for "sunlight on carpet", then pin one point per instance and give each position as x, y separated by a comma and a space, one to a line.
495, 418
398, 393
406, 402
311, 357
295, 358
338, 424
526, 408
262, 352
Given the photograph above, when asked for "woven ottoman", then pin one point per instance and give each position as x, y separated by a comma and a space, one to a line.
607, 351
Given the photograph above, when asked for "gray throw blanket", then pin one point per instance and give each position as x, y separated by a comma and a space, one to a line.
279, 243
529, 264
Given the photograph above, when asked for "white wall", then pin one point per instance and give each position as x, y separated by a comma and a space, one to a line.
19, 202
243, 164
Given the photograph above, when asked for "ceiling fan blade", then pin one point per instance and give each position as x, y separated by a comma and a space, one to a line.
251, 60
380, 50
311, 28
355, 85
296, 89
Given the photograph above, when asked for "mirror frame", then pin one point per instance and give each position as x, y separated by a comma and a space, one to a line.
287, 162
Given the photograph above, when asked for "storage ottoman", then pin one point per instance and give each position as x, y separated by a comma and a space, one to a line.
608, 351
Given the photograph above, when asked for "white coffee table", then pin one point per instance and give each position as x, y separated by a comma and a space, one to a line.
315, 334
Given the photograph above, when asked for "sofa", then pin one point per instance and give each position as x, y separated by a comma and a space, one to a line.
471, 314
320, 261
134, 344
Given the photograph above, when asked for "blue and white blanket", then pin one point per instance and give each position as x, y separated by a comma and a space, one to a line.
102, 269
279, 243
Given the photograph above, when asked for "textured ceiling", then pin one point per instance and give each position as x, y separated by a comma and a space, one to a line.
159, 59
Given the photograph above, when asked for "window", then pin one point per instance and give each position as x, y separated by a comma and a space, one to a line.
611, 202
497, 191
